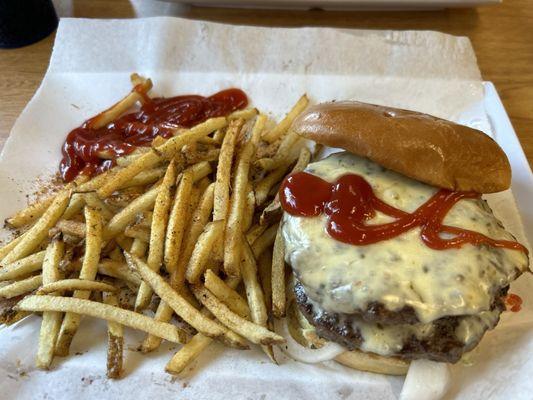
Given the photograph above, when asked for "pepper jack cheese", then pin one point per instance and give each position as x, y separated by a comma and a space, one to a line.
402, 271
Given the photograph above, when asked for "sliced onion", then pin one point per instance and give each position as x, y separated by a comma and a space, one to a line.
426, 380
303, 354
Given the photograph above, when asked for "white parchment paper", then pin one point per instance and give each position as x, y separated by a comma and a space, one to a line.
89, 70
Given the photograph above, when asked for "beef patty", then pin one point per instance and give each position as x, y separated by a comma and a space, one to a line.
439, 343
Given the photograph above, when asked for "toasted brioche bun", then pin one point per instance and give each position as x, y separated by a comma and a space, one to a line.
420, 146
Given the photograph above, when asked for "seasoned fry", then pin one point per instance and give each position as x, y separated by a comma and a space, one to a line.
22, 267
226, 294
257, 130
187, 353
74, 228
144, 178
283, 152
38, 232
21, 287
35, 210
200, 170
203, 249
103, 311
249, 208
278, 277
199, 220
180, 306
264, 241
254, 292
76, 284
119, 270
8, 314
125, 217
253, 332
138, 232
93, 201
254, 232
222, 183
51, 322
121, 106
177, 221
164, 314
89, 268
232, 249
10, 246
164, 151
159, 226
115, 340
280, 129
138, 248
243, 114
265, 276
303, 160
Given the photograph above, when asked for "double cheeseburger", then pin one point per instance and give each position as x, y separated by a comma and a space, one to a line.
395, 255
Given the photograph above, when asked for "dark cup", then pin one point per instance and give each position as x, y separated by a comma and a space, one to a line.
24, 22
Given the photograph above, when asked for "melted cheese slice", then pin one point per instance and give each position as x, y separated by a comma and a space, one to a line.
402, 271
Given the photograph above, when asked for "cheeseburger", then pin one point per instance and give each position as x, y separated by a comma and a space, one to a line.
395, 254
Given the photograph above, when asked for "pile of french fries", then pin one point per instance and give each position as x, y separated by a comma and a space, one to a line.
179, 240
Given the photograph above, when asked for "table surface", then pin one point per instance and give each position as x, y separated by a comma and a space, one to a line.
501, 36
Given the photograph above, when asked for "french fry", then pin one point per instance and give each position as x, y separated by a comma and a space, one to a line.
177, 222
243, 114
283, 152
254, 232
8, 313
128, 159
164, 314
22, 267
103, 311
119, 270
51, 322
145, 178
232, 248
249, 208
89, 268
264, 267
187, 353
93, 201
303, 159
203, 249
278, 277
263, 188
200, 170
125, 217
264, 241
280, 129
254, 292
222, 183
164, 151
21, 287
253, 332
138, 232
39, 231
121, 106
35, 210
159, 226
273, 212
226, 294
198, 221
10, 246
180, 306
138, 248
74, 228
115, 340
75, 284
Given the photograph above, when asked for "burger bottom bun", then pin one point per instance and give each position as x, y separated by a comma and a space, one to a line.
373, 363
